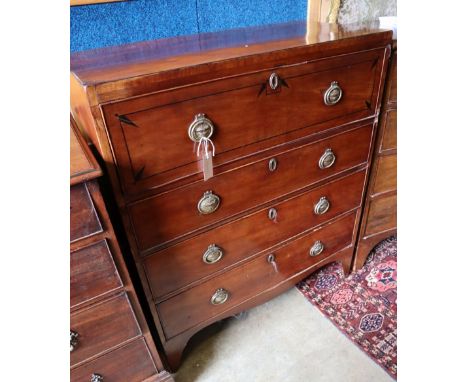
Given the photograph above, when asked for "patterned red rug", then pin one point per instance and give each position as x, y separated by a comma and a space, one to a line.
363, 305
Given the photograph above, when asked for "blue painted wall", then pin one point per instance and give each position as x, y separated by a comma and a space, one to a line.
109, 24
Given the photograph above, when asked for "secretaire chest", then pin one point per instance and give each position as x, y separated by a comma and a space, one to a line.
288, 115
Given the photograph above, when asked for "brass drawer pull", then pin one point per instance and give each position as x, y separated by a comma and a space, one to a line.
317, 248
201, 127
327, 159
208, 203
213, 254
333, 94
273, 81
220, 296
73, 340
272, 214
272, 164
321, 206
97, 378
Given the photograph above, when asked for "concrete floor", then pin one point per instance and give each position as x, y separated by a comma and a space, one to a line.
285, 340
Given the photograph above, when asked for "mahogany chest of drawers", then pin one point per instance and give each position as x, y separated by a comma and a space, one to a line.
109, 337
291, 111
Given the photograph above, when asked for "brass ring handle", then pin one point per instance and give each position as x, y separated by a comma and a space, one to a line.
201, 127
272, 164
273, 81
322, 206
272, 214
317, 248
219, 297
97, 378
333, 94
213, 254
73, 340
327, 159
208, 203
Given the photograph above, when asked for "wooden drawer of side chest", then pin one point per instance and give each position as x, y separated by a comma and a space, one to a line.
182, 264
386, 174
102, 326
84, 221
149, 134
246, 281
130, 363
92, 273
389, 139
382, 215
243, 188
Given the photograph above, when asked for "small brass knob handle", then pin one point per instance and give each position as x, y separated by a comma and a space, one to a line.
321, 206
327, 159
272, 164
73, 340
273, 81
97, 378
213, 254
333, 94
220, 296
272, 214
317, 248
201, 127
208, 203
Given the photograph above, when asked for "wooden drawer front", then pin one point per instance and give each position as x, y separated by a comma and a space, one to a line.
152, 145
386, 175
84, 221
382, 215
182, 264
246, 281
92, 273
130, 363
243, 188
389, 139
102, 327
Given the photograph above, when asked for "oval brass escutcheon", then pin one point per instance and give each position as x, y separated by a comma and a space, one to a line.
213, 254
220, 296
327, 159
201, 127
321, 206
208, 203
333, 94
273, 81
272, 214
272, 164
317, 248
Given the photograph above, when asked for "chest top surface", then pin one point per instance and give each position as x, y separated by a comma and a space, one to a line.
83, 165
218, 54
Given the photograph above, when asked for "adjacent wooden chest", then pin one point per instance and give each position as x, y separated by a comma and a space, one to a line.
379, 219
289, 112
109, 336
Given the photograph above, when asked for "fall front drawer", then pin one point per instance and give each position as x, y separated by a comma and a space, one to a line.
101, 327
246, 281
130, 363
92, 273
210, 252
153, 136
187, 208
